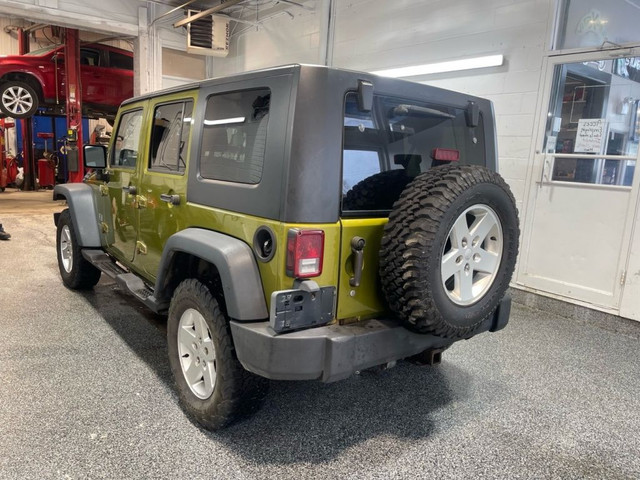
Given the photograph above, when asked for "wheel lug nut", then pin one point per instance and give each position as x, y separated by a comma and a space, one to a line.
476, 257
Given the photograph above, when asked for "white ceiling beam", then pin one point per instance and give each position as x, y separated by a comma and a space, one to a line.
54, 16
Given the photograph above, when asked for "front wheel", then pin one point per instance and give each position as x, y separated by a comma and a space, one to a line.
18, 99
76, 272
212, 384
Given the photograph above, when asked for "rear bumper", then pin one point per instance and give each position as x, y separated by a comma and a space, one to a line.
335, 352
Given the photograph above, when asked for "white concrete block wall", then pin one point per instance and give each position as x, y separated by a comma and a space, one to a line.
9, 41
278, 41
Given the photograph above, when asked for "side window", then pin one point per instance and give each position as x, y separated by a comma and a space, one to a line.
362, 155
358, 165
235, 136
125, 148
121, 61
89, 57
170, 137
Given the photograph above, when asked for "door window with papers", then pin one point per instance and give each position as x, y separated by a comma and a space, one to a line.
593, 127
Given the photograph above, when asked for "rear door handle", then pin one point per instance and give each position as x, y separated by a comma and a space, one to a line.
357, 249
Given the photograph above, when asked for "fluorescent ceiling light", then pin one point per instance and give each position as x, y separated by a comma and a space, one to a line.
451, 66
224, 121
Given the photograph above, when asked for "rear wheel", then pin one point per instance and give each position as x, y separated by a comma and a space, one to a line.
76, 272
212, 384
449, 250
18, 99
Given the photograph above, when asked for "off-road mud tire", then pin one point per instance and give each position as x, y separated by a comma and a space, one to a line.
377, 192
414, 242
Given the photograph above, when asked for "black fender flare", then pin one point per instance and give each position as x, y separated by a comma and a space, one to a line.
82, 207
236, 264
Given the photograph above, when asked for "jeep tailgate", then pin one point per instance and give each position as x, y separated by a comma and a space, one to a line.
362, 300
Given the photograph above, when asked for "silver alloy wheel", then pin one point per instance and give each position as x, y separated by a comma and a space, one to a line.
66, 249
197, 354
471, 256
17, 100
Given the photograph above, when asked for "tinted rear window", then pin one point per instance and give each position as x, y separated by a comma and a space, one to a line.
383, 150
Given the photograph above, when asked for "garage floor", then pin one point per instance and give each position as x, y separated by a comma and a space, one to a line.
86, 392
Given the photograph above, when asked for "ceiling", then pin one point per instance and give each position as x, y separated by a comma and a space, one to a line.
251, 12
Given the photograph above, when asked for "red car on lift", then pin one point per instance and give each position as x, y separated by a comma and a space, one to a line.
37, 79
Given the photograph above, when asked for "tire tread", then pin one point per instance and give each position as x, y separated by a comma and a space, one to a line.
410, 240
84, 275
237, 391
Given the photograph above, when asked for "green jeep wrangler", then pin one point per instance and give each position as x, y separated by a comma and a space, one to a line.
296, 223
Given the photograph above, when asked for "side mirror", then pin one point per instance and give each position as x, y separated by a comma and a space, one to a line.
95, 156
58, 57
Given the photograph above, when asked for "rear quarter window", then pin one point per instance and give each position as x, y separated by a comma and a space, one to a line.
234, 136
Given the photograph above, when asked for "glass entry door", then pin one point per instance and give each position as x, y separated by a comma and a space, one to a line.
584, 188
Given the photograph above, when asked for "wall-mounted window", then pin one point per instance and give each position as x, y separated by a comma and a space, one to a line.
595, 23
234, 136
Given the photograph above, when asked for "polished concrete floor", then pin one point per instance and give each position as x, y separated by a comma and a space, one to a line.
86, 392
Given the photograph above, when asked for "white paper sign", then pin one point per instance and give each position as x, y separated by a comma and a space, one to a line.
591, 135
552, 140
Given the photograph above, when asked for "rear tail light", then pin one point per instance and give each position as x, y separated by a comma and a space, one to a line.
445, 154
305, 252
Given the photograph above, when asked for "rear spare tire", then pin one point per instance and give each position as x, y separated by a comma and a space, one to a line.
377, 192
449, 250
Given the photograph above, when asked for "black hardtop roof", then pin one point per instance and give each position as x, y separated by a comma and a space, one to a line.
388, 84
